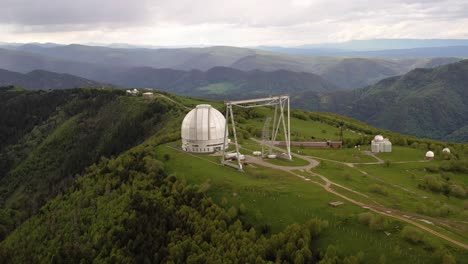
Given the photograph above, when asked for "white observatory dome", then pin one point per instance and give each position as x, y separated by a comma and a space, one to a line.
203, 130
446, 150
379, 138
429, 154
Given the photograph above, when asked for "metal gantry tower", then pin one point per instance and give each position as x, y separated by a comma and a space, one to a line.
266, 140
281, 119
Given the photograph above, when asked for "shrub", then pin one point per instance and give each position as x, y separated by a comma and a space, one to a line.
433, 183
376, 188
443, 256
458, 191
412, 234
378, 223
365, 218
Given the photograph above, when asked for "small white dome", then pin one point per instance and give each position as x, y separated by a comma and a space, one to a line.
429, 154
446, 150
203, 129
378, 138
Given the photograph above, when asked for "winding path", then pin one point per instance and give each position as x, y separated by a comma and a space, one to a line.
389, 212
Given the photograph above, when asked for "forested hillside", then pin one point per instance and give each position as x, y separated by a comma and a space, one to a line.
44, 80
222, 82
49, 138
125, 207
129, 210
427, 103
94, 175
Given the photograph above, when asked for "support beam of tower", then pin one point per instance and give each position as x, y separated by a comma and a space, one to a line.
280, 119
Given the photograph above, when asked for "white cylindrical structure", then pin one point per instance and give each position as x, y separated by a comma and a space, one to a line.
272, 156
203, 130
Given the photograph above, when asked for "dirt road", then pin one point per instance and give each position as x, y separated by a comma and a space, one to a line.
389, 212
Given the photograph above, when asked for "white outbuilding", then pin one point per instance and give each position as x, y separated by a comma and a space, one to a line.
429, 155
203, 130
446, 150
148, 95
381, 144
133, 92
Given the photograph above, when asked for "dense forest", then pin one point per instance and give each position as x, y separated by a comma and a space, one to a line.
49, 138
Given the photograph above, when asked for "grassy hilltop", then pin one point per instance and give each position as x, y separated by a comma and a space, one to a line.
93, 174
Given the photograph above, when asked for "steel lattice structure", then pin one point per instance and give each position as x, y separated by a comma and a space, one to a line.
281, 105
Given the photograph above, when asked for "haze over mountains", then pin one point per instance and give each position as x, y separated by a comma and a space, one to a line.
222, 72
392, 48
100, 63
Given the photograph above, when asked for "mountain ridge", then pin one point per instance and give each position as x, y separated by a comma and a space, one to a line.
97, 63
44, 80
423, 102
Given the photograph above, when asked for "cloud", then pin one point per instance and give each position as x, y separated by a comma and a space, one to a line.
241, 22
74, 12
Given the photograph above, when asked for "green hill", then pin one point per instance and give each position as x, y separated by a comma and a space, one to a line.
44, 80
427, 103
50, 138
223, 82
98, 176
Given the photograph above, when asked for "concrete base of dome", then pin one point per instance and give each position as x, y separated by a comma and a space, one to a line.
202, 147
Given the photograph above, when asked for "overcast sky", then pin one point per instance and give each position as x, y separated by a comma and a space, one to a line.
235, 22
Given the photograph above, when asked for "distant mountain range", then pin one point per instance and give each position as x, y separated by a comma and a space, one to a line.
424, 102
404, 95
425, 52
102, 63
44, 80
369, 45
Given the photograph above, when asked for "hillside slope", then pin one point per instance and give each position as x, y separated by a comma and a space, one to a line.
424, 102
52, 137
40, 79
222, 82
100, 177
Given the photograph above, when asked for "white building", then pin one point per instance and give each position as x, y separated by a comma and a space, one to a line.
381, 144
148, 95
446, 150
429, 155
133, 92
203, 130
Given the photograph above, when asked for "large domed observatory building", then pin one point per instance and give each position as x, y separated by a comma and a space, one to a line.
203, 130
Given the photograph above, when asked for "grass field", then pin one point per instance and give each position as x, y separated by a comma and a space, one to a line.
403, 154
278, 199
283, 162
351, 155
